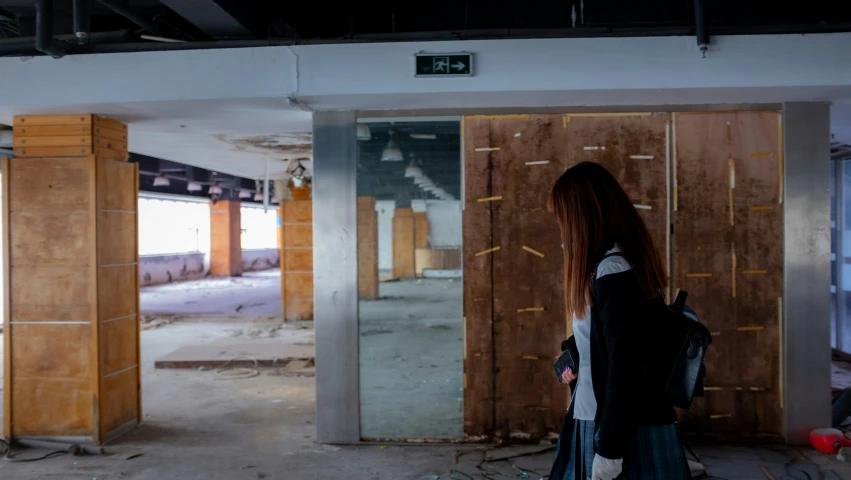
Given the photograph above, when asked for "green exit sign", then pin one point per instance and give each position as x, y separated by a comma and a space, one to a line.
444, 65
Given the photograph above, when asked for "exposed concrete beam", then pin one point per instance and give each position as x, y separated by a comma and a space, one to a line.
210, 17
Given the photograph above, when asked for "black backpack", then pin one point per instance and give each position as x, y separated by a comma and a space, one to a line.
679, 343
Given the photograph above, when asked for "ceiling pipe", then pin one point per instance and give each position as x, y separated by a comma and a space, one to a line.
26, 45
44, 41
82, 20
700, 27
129, 13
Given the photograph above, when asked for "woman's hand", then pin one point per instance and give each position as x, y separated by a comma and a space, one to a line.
567, 376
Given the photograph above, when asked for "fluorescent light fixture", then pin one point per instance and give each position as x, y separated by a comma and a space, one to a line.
193, 186
215, 190
392, 153
424, 136
363, 132
244, 194
161, 181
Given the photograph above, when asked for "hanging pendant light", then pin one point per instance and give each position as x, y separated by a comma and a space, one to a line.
363, 132
258, 197
161, 181
193, 186
244, 194
215, 190
392, 153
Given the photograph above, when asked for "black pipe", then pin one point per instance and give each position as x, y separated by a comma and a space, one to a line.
26, 45
700, 27
82, 20
129, 13
44, 41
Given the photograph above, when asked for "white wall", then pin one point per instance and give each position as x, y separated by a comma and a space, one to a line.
386, 210
444, 223
158, 269
256, 259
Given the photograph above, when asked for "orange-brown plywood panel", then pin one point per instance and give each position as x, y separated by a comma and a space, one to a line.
420, 230
52, 130
367, 248
60, 141
116, 237
117, 291
298, 260
44, 407
51, 313
103, 122
225, 244
70, 119
118, 343
298, 235
45, 238
298, 211
50, 351
110, 133
66, 286
120, 399
403, 243
113, 178
23, 152
56, 184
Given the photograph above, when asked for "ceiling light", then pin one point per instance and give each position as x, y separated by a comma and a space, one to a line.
424, 136
298, 182
275, 199
193, 186
215, 190
392, 153
258, 197
363, 132
413, 171
244, 194
161, 181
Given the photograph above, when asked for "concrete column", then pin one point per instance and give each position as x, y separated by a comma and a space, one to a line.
403, 243
297, 256
806, 322
225, 239
367, 248
72, 324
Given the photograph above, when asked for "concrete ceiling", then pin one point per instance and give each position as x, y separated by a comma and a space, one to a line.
235, 136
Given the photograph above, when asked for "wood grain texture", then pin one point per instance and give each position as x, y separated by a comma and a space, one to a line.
75, 151
403, 243
120, 397
117, 344
53, 141
75, 119
478, 281
116, 237
116, 292
297, 257
45, 407
55, 184
113, 190
7, 312
103, 122
527, 398
33, 241
367, 248
298, 235
51, 351
420, 230
52, 130
716, 166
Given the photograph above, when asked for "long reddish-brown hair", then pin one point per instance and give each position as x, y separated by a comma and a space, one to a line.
594, 214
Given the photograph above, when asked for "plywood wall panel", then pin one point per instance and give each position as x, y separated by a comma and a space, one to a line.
42, 407
113, 176
420, 230
298, 234
35, 240
478, 281
403, 243
297, 258
367, 248
51, 351
729, 257
116, 292
116, 237
116, 337
49, 286
50, 184
225, 239
120, 392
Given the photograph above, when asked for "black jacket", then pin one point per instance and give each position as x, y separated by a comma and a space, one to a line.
618, 346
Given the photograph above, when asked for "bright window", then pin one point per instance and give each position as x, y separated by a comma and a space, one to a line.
169, 225
259, 228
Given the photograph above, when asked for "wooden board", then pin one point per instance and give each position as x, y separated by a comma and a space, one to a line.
42, 407
116, 237
478, 281
52, 151
527, 399
297, 258
118, 338
116, 295
34, 240
34, 184
225, 244
403, 243
420, 230
53, 141
29, 120
109, 123
298, 235
367, 248
67, 358
299, 295
437, 259
729, 257
113, 175
52, 130
120, 400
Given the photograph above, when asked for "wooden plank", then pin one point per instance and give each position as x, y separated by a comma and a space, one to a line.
29, 120
53, 141
478, 282
299, 260
117, 344
109, 123
367, 248
298, 235
111, 134
54, 184
111, 154
420, 230
116, 233
108, 143
52, 151
298, 211
95, 382
225, 246
527, 399
51, 407
49, 286
7, 314
116, 292
120, 395
115, 181
51, 130
299, 295
53, 351
33, 240
138, 324
718, 232
403, 243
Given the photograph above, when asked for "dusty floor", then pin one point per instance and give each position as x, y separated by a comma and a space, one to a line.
198, 426
412, 361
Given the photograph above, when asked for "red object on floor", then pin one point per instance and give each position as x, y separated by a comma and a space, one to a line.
829, 440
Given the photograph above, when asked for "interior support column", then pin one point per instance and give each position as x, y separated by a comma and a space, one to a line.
404, 232
297, 256
806, 327
225, 239
72, 316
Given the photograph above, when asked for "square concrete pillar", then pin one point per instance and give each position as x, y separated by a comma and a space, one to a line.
225, 239
72, 315
297, 256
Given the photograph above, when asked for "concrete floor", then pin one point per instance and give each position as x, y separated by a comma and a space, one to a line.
412, 361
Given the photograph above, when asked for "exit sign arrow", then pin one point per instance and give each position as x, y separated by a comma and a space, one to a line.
443, 65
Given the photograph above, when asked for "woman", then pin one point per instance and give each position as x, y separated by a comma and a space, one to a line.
615, 428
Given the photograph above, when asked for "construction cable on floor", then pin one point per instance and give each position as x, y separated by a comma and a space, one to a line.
237, 373
9, 456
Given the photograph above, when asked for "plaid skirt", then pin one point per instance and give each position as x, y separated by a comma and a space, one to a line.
652, 453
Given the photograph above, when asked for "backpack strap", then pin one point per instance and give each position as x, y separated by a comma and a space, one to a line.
597, 267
